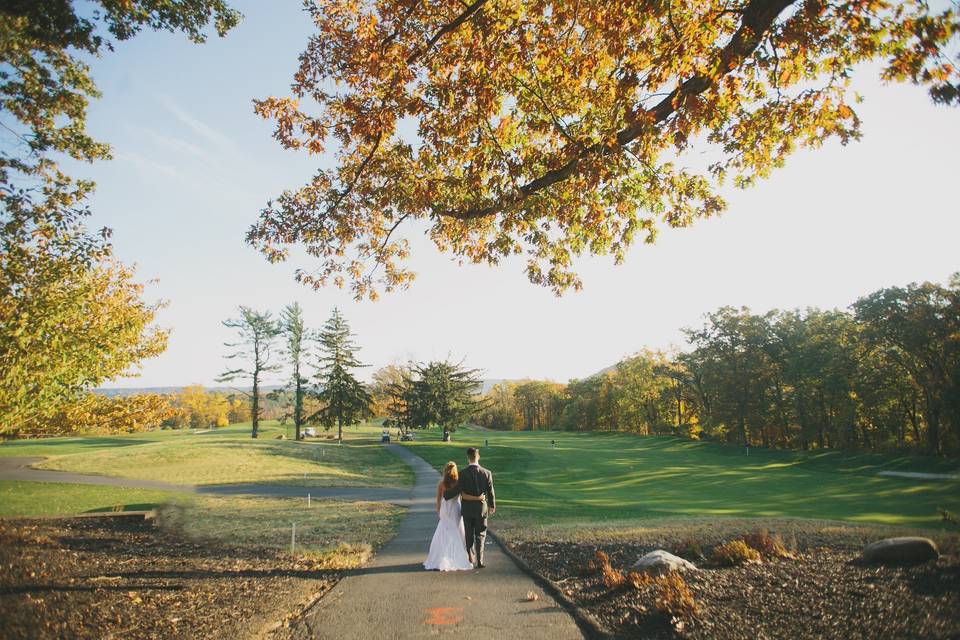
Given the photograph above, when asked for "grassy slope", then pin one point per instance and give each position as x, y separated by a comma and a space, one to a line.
605, 476
225, 456
266, 522
52, 498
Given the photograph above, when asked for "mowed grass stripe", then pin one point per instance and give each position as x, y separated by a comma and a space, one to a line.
609, 476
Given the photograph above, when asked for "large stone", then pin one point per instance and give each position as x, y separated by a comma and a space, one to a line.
896, 550
660, 562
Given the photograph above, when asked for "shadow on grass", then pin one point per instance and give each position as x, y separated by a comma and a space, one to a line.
136, 506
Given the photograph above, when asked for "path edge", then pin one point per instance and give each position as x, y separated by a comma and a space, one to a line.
589, 625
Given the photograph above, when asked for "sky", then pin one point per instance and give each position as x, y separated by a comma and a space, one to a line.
193, 165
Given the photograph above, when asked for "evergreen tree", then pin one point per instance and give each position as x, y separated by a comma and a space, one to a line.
345, 399
444, 394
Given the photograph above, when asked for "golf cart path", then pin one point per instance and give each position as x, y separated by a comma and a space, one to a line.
18, 468
394, 597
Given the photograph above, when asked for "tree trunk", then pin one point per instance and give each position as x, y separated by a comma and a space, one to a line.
298, 406
256, 402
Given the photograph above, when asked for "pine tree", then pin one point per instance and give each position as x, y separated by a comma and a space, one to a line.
257, 332
442, 393
345, 399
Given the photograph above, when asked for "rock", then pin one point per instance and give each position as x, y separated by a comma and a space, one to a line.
907, 549
660, 562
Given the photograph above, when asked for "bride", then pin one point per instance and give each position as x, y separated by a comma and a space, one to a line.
448, 552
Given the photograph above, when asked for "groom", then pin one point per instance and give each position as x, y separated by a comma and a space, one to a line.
477, 501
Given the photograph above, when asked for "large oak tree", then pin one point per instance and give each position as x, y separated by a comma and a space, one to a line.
552, 129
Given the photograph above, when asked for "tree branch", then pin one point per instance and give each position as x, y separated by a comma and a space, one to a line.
758, 17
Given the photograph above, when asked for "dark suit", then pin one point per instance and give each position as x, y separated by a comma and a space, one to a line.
476, 481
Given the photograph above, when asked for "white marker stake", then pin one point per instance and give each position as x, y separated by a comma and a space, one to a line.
308, 499
293, 538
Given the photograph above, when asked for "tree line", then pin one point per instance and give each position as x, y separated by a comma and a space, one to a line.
882, 375
414, 396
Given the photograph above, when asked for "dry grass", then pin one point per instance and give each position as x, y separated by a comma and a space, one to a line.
734, 553
329, 531
639, 580
673, 596
768, 546
344, 556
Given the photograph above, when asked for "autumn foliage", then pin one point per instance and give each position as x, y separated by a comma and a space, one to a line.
550, 130
93, 413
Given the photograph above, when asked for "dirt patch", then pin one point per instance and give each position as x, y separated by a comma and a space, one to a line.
823, 593
112, 577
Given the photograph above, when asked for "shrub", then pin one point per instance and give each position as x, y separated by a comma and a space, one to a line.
733, 553
673, 596
638, 580
597, 563
767, 546
612, 579
689, 549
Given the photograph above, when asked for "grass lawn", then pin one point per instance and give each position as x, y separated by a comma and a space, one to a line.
226, 456
591, 477
53, 499
339, 534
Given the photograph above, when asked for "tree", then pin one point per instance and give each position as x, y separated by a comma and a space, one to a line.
53, 271
917, 328
95, 413
444, 394
291, 321
385, 383
555, 129
64, 329
345, 399
642, 402
537, 402
256, 332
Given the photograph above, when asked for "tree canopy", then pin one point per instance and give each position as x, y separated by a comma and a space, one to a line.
550, 130
70, 314
438, 393
884, 376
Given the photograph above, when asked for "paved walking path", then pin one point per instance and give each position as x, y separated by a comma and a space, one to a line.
17, 468
394, 597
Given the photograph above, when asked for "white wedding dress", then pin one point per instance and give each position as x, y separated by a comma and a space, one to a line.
448, 552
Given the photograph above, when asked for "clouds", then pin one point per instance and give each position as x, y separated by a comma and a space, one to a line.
199, 128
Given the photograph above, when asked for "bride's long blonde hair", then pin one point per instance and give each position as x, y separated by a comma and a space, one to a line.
450, 475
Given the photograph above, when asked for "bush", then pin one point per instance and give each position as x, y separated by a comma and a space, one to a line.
612, 579
673, 596
638, 580
689, 549
767, 546
733, 553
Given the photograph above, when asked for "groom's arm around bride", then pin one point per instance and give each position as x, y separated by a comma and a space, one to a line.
478, 501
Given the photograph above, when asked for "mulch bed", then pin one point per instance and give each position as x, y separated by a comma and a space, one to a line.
823, 593
122, 578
